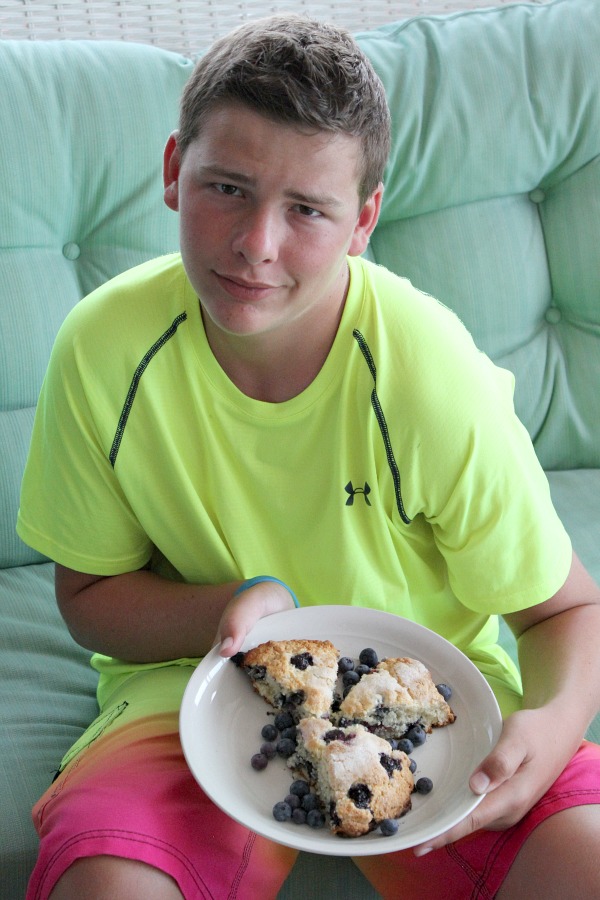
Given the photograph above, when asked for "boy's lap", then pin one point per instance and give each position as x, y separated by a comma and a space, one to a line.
131, 794
106, 801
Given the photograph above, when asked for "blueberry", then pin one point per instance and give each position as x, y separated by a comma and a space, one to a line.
336, 734
368, 657
345, 664
445, 690
412, 766
302, 661
268, 732
282, 811
237, 659
286, 747
257, 673
292, 800
299, 816
290, 733
423, 785
283, 720
296, 698
350, 678
417, 735
268, 750
360, 794
363, 670
300, 788
405, 745
259, 762
388, 827
310, 802
390, 764
315, 818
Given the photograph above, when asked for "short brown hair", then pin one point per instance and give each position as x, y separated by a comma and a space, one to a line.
298, 72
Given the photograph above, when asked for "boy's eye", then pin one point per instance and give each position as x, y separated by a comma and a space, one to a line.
308, 211
229, 189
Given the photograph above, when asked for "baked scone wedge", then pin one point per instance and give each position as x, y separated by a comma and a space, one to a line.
296, 675
397, 694
359, 779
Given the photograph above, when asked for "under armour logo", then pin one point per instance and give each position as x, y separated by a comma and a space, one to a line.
354, 491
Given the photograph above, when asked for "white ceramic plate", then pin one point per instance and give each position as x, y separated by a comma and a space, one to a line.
222, 716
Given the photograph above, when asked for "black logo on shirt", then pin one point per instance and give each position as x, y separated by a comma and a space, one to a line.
352, 491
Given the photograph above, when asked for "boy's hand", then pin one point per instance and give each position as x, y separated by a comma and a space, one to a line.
244, 610
525, 762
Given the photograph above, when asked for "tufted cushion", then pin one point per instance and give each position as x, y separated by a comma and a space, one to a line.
80, 189
492, 197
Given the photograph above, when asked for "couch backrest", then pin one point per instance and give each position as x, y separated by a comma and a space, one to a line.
83, 125
493, 197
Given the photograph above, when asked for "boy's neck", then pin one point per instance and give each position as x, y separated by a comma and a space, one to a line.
276, 366
270, 369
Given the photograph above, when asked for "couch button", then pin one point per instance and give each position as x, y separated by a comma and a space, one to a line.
71, 250
537, 195
553, 315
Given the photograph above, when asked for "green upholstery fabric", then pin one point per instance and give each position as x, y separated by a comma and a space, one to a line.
492, 204
46, 700
492, 201
80, 188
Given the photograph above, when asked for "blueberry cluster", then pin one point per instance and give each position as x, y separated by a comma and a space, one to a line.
301, 806
352, 672
279, 739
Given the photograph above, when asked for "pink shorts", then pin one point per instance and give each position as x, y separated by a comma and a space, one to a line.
129, 793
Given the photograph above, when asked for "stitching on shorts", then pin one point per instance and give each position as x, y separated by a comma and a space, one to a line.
248, 847
103, 723
133, 837
71, 761
480, 889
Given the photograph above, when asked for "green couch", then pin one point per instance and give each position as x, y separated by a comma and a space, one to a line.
492, 204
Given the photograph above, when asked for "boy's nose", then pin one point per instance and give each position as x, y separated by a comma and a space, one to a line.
257, 238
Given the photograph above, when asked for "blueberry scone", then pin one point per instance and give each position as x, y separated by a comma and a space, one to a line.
397, 694
359, 779
296, 675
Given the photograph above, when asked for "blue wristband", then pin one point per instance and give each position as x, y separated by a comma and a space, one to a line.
258, 580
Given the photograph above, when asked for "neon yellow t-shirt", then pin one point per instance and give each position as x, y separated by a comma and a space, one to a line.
400, 479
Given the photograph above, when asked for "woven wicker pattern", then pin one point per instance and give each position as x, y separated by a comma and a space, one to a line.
187, 27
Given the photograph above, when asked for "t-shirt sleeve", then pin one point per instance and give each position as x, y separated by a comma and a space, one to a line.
470, 468
72, 507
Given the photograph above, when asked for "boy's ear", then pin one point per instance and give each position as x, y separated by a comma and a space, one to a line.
366, 222
171, 166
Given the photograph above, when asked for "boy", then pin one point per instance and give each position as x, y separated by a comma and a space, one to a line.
208, 416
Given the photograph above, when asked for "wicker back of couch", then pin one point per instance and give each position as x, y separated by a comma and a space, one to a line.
187, 26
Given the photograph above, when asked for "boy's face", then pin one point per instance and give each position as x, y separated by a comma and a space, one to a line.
267, 216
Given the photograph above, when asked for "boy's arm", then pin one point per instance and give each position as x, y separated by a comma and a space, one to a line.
142, 617
558, 645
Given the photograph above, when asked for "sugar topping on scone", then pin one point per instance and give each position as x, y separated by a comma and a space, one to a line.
397, 694
297, 675
360, 780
